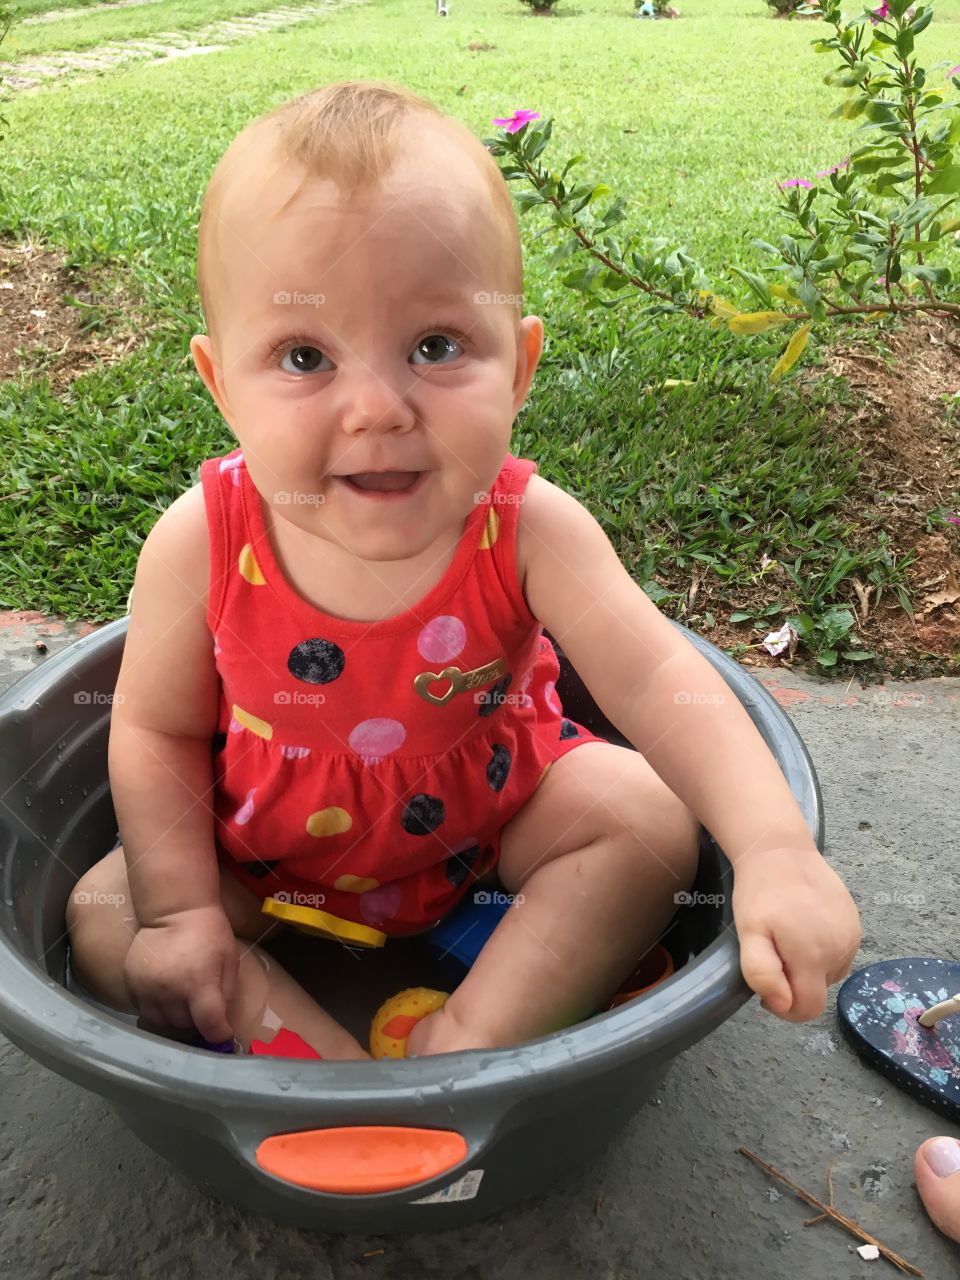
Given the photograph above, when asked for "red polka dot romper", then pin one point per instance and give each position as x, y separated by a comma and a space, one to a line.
375, 764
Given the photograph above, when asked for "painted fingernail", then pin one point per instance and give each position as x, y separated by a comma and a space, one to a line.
943, 1156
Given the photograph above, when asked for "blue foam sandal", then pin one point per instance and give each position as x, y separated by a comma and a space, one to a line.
897, 1014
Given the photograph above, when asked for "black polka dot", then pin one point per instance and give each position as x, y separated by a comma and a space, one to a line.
422, 814
258, 869
498, 766
459, 865
490, 699
316, 661
568, 729
219, 742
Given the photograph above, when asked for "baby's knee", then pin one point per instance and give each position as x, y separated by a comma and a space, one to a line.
99, 903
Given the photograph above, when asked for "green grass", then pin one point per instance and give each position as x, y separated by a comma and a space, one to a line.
719, 104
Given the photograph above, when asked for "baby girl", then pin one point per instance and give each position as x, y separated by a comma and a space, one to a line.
336, 694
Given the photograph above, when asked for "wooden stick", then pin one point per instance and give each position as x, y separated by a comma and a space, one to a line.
829, 1212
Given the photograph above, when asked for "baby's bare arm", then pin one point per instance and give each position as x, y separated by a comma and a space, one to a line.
164, 717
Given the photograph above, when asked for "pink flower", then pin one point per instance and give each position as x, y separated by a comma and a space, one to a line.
890, 985
795, 182
825, 173
882, 280
954, 71
953, 519
518, 120
881, 13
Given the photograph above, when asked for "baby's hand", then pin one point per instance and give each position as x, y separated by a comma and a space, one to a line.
182, 972
798, 926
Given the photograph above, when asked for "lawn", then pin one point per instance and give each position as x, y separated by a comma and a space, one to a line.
693, 119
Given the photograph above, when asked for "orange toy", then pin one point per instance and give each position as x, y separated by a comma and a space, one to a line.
655, 967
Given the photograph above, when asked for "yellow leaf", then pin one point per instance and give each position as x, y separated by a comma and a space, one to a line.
781, 291
669, 383
875, 315
952, 225
756, 321
793, 352
719, 306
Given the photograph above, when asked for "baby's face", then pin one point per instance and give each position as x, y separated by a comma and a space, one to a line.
371, 337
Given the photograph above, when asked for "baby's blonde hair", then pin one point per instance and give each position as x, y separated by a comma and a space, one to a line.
348, 131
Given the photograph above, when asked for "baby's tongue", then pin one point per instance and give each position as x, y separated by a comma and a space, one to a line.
385, 480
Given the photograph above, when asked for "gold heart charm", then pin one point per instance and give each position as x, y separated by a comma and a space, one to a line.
420, 682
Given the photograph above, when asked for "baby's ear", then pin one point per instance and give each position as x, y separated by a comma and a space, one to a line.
209, 370
529, 349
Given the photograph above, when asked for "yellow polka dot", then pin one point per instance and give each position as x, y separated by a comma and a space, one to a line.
329, 822
355, 884
260, 727
544, 774
249, 569
491, 530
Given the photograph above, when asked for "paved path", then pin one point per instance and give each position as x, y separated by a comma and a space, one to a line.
670, 1197
34, 71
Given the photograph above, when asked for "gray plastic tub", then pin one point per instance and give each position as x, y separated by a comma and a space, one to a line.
510, 1121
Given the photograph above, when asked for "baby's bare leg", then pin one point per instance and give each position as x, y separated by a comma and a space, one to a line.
595, 858
102, 925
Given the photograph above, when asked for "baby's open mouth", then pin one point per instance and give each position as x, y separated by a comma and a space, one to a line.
383, 481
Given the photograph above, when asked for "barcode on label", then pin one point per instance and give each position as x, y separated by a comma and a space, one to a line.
464, 1188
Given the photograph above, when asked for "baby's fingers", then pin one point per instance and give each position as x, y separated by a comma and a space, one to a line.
208, 1009
763, 973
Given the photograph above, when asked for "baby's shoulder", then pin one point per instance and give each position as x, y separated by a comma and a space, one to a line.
545, 511
180, 541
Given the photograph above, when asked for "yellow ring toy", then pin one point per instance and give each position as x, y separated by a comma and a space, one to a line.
322, 924
396, 1018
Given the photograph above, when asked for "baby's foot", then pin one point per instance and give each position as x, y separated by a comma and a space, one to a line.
936, 1167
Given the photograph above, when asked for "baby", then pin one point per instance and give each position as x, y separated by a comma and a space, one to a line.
336, 690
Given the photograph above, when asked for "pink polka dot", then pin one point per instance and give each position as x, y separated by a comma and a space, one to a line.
245, 812
374, 739
381, 904
232, 465
294, 753
216, 647
235, 725
442, 638
550, 693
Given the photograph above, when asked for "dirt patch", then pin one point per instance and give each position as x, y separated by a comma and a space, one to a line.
909, 467
58, 321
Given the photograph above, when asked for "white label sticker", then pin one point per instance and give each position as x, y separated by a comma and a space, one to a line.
464, 1188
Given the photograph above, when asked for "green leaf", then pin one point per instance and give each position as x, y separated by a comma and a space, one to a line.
904, 43
857, 655
922, 20
740, 615
847, 76
935, 275
944, 182
854, 107
757, 284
